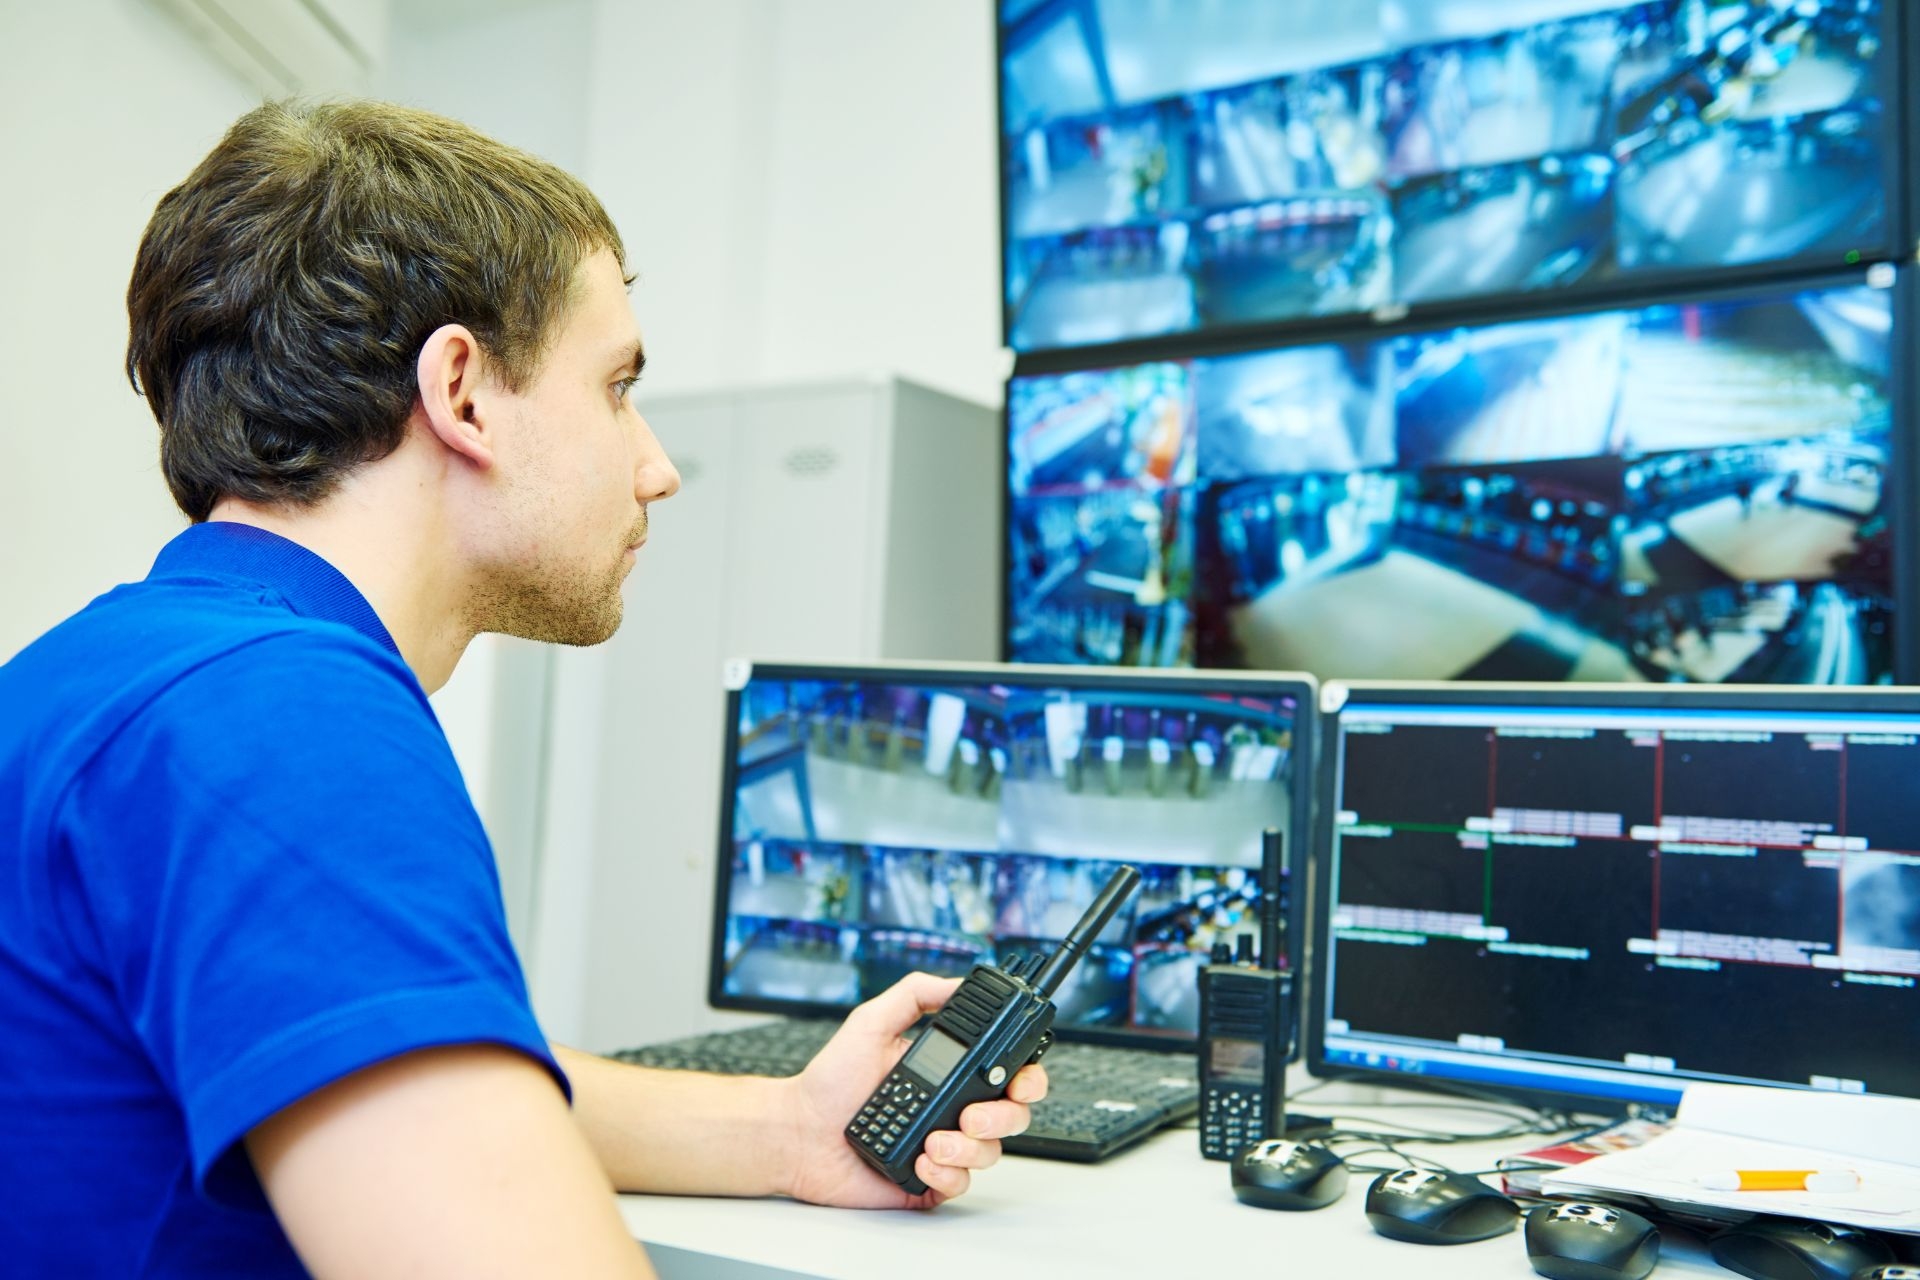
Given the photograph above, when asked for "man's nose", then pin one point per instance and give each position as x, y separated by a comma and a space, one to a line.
658, 479
655, 478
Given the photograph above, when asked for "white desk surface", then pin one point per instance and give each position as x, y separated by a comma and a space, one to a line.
1158, 1209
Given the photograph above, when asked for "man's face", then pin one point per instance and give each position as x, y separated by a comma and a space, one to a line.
578, 466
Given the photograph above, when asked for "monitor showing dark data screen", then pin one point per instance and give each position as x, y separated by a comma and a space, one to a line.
881, 819
1605, 893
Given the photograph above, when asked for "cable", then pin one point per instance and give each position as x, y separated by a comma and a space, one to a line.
1522, 1120
1517, 1127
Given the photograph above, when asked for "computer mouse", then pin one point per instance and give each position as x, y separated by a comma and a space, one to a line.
1278, 1174
1581, 1240
1788, 1249
1424, 1207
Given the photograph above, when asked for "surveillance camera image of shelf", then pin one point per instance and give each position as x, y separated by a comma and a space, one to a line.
1677, 491
1249, 164
880, 826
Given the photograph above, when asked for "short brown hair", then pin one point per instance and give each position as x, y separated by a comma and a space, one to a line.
283, 291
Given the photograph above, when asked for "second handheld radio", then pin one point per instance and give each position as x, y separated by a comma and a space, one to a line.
1247, 1026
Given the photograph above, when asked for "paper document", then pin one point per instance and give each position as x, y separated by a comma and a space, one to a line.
1724, 1128
1888, 1198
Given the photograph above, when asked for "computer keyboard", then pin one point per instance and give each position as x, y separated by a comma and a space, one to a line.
773, 1049
1099, 1099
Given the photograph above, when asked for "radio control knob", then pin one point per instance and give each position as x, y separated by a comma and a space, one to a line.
996, 1075
1040, 1050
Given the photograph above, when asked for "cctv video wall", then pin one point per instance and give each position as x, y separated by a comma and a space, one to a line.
1533, 341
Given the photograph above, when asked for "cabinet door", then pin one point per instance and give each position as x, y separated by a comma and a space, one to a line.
806, 517
677, 593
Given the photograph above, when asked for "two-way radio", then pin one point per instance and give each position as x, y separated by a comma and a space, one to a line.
1246, 1025
999, 1020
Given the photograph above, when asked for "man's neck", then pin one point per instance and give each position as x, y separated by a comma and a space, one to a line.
396, 555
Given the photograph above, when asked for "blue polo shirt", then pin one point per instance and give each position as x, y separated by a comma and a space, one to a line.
237, 862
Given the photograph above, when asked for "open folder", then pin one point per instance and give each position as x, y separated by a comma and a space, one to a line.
1721, 1128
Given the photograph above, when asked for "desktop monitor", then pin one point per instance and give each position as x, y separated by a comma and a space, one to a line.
1604, 893
882, 818
1174, 169
1696, 490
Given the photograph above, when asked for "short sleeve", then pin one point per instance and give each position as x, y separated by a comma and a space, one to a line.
284, 881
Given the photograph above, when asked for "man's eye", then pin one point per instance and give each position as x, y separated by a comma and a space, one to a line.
623, 387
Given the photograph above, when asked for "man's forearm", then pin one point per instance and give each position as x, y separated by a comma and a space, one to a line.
681, 1132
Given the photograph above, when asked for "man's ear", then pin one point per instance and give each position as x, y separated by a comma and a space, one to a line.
452, 383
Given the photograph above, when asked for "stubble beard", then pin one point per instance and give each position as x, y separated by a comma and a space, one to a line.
577, 607
582, 610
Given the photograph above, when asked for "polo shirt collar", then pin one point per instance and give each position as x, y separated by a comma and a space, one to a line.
309, 585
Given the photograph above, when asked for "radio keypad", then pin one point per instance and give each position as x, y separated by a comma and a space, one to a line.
1228, 1122
886, 1116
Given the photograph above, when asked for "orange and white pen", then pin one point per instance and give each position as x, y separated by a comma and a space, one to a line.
1781, 1180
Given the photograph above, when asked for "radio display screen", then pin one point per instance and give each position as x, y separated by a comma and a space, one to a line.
934, 1055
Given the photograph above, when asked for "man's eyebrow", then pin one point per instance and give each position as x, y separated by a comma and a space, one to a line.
632, 358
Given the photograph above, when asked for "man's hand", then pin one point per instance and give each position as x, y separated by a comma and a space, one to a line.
846, 1072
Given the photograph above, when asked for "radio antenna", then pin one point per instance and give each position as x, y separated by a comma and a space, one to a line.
1081, 936
1273, 896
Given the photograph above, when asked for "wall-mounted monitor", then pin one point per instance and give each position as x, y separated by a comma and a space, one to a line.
1242, 163
1606, 894
1690, 491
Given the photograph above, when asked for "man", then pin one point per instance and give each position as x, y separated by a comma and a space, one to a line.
261, 1011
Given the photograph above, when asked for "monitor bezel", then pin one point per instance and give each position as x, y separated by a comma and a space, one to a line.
1900, 107
1337, 696
1299, 686
1903, 462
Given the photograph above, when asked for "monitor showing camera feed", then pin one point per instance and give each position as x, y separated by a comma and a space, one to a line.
1608, 894
1178, 168
1678, 492
879, 820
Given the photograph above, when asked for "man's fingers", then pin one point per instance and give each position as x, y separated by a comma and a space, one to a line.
958, 1150
1029, 1084
902, 1004
996, 1119
948, 1180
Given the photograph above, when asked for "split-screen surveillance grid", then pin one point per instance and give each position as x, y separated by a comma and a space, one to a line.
881, 827
1685, 491
1254, 162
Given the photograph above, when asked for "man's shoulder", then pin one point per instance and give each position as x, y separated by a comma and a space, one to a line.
175, 625
176, 648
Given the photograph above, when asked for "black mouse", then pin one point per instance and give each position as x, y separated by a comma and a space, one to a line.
1581, 1240
1787, 1249
1425, 1207
1277, 1174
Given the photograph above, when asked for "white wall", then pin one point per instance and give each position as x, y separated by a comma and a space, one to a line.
518, 73
807, 188
882, 230
104, 106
